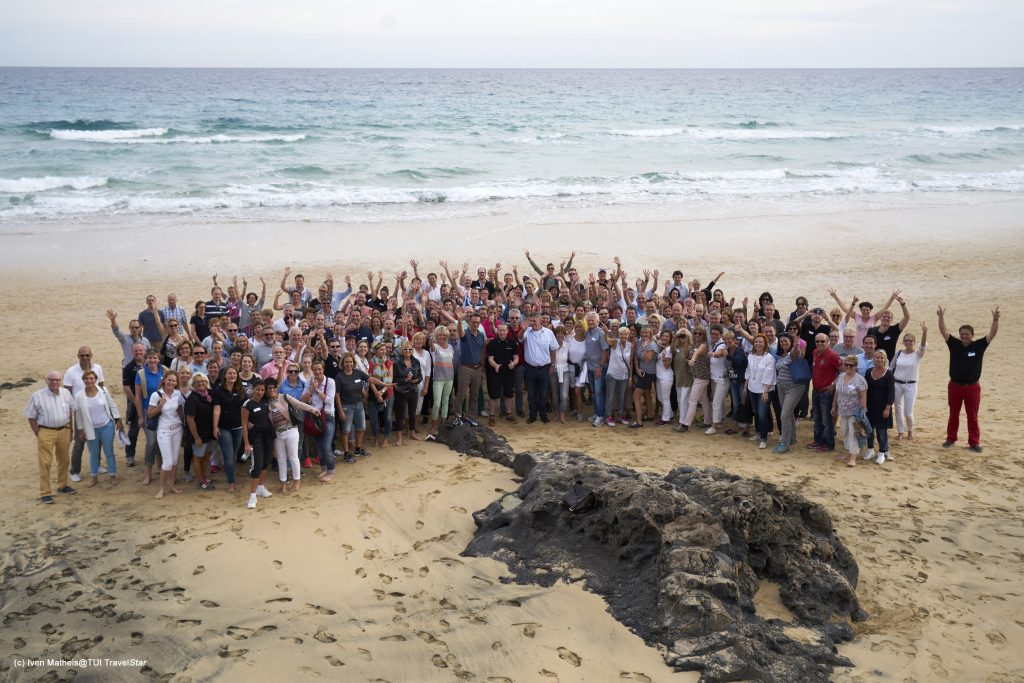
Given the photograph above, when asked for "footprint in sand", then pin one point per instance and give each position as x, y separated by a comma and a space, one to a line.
569, 656
419, 524
212, 546
137, 638
379, 593
320, 532
482, 580
529, 628
635, 676
423, 571
293, 639
334, 661
277, 564
394, 638
371, 554
511, 602
198, 570
438, 661
239, 632
364, 512
498, 679
325, 636
209, 603
281, 599
400, 607
372, 531
234, 654
446, 604
347, 548
548, 674
385, 578
449, 561
360, 572
74, 646
320, 610
458, 508
281, 586
496, 645
365, 654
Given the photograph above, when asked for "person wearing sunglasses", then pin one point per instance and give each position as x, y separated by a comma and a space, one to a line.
906, 365
849, 407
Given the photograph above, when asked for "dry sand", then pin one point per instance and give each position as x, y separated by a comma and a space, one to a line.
362, 579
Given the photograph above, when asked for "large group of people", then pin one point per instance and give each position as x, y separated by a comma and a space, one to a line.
238, 385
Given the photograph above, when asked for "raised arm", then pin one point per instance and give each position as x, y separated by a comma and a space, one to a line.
941, 313
284, 279
892, 297
536, 268
906, 312
277, 300
568, 265
839, 302
995, 325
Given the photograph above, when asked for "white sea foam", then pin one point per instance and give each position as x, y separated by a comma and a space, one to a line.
647, 132
761, 134
107, 135
26, 185
970, 130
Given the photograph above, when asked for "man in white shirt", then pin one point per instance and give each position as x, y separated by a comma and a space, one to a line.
74, 384
539, 350
49, 416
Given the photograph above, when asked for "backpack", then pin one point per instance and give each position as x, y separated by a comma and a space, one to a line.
152, 422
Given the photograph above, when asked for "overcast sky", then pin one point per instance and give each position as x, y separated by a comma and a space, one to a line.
525, 33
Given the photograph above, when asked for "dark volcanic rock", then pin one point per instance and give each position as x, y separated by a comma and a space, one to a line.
678, 558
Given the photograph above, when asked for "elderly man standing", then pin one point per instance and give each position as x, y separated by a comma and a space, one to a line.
74, 384
49, 416
540, 346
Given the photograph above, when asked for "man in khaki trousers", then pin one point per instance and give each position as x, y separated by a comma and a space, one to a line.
49, 416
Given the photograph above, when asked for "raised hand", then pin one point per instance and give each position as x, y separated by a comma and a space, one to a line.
111, 315
942, 311
348, 280
924, 328
287, 271
832, 291
995, 313
617, 261
527, 252
413, 263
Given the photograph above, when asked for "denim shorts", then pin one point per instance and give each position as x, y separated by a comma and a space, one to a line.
355, 417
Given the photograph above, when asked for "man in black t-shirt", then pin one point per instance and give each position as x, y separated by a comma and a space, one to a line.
501, 356
128, 374
965, 359
886, 334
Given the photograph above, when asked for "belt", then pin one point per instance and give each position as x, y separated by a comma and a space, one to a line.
67, 426
546, 365
467, 365
962, 384
909, 381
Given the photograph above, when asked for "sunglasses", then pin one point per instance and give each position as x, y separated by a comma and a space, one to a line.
821, 342
293, 371
850, 365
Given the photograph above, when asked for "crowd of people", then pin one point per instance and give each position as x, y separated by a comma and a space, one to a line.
236, 383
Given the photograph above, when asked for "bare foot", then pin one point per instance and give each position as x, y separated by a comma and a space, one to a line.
175, 489
231, 488
284, 488
296, 485
114, 481
416, 436
146, 479
852, 462
159, 494
398, 441
322, 475
561, 418
384, 443
910, 436
328, 477
92, 481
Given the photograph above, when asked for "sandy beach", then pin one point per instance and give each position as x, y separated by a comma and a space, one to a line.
362, 579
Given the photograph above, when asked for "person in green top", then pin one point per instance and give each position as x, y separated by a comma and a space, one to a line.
548, 278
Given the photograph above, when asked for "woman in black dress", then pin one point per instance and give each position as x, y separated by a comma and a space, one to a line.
881, 396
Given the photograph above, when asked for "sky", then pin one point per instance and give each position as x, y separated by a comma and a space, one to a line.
523, 34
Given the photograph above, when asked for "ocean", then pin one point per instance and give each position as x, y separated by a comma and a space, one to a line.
85, 145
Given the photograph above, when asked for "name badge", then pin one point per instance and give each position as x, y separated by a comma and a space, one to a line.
971, 354
359, 381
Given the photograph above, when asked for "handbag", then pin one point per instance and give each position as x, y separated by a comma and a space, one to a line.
312, 425
579, 498
153, 422
800, 370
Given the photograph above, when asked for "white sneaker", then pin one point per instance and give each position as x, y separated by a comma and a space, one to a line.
881, 459
75, 477
101, 470
764, 444
484, 413
252, 501
710, 431
870, 455
888, 457
262, 492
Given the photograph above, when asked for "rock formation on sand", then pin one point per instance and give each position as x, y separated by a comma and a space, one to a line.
678, 558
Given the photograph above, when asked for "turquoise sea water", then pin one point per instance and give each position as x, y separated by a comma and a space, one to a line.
348, 145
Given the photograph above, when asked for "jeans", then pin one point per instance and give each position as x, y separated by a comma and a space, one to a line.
882, 432
538, 381
698, 394
169, 441
520, 384
230, 441
597, 391
105, 440
824, 426
355, 418
325, 444
380, 416
405, 409
739, 411
761, 416
286, 448
720, 387
615, 396
132, 420
565, 382
791, 397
